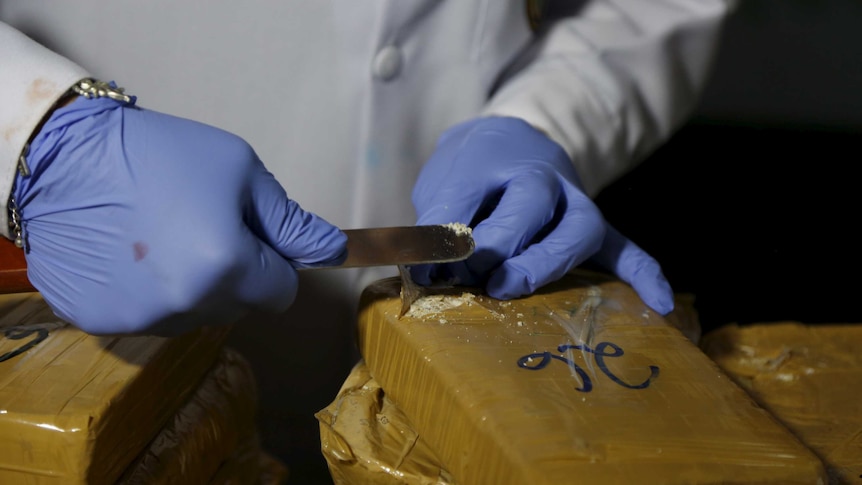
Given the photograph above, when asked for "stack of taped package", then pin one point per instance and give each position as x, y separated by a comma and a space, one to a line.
77, 408
578, 383
809, 377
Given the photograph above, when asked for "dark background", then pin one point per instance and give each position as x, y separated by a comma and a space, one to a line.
752, 206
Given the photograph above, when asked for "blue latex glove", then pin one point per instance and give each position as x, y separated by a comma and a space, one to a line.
531, 221
140, 222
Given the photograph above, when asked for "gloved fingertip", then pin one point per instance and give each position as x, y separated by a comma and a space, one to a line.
336, 260
287, 299
334, 244
322, 243
662, 305
507, 283
656, 292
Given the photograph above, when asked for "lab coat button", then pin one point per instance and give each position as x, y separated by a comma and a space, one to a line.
387, 63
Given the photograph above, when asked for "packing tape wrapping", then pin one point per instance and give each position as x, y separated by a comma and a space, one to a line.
77, 408
217, 423
366, 440
579, 382
809, 377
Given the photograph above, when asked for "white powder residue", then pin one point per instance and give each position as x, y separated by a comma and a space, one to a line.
459, 229
434, 304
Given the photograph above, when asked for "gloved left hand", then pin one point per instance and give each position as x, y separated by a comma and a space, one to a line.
531, 220
138, 221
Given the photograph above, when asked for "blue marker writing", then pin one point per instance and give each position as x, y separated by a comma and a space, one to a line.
599, 354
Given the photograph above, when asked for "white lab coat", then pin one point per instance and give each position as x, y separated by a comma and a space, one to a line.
343, 100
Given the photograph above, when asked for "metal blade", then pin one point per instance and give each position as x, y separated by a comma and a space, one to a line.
403, 246
410, 291
383, 246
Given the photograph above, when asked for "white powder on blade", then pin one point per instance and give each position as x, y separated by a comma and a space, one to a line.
460, 229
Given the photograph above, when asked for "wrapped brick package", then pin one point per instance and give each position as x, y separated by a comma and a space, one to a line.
272, 472
579, 382
243, 467
366, 440
216, 425
76, 408
236, 470
809, 377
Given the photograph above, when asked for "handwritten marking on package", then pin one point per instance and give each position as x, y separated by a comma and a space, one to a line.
540, 360
20, 333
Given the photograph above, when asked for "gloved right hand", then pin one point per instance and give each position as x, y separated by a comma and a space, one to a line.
135, 221
531, 220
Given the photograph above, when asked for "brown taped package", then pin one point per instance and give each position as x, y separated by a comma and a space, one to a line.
272, 471
809, 377
366, 440
216, 425
76, 408
579, 382
248, 462
213, 437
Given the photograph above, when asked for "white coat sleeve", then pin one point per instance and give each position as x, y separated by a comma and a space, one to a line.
33, 79
615, 80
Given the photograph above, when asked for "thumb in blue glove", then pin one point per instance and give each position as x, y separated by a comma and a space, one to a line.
140, 222
531, 220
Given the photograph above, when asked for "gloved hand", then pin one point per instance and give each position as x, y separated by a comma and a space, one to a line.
140, 222
531, 221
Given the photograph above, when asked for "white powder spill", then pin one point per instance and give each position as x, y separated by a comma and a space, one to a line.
431, 305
